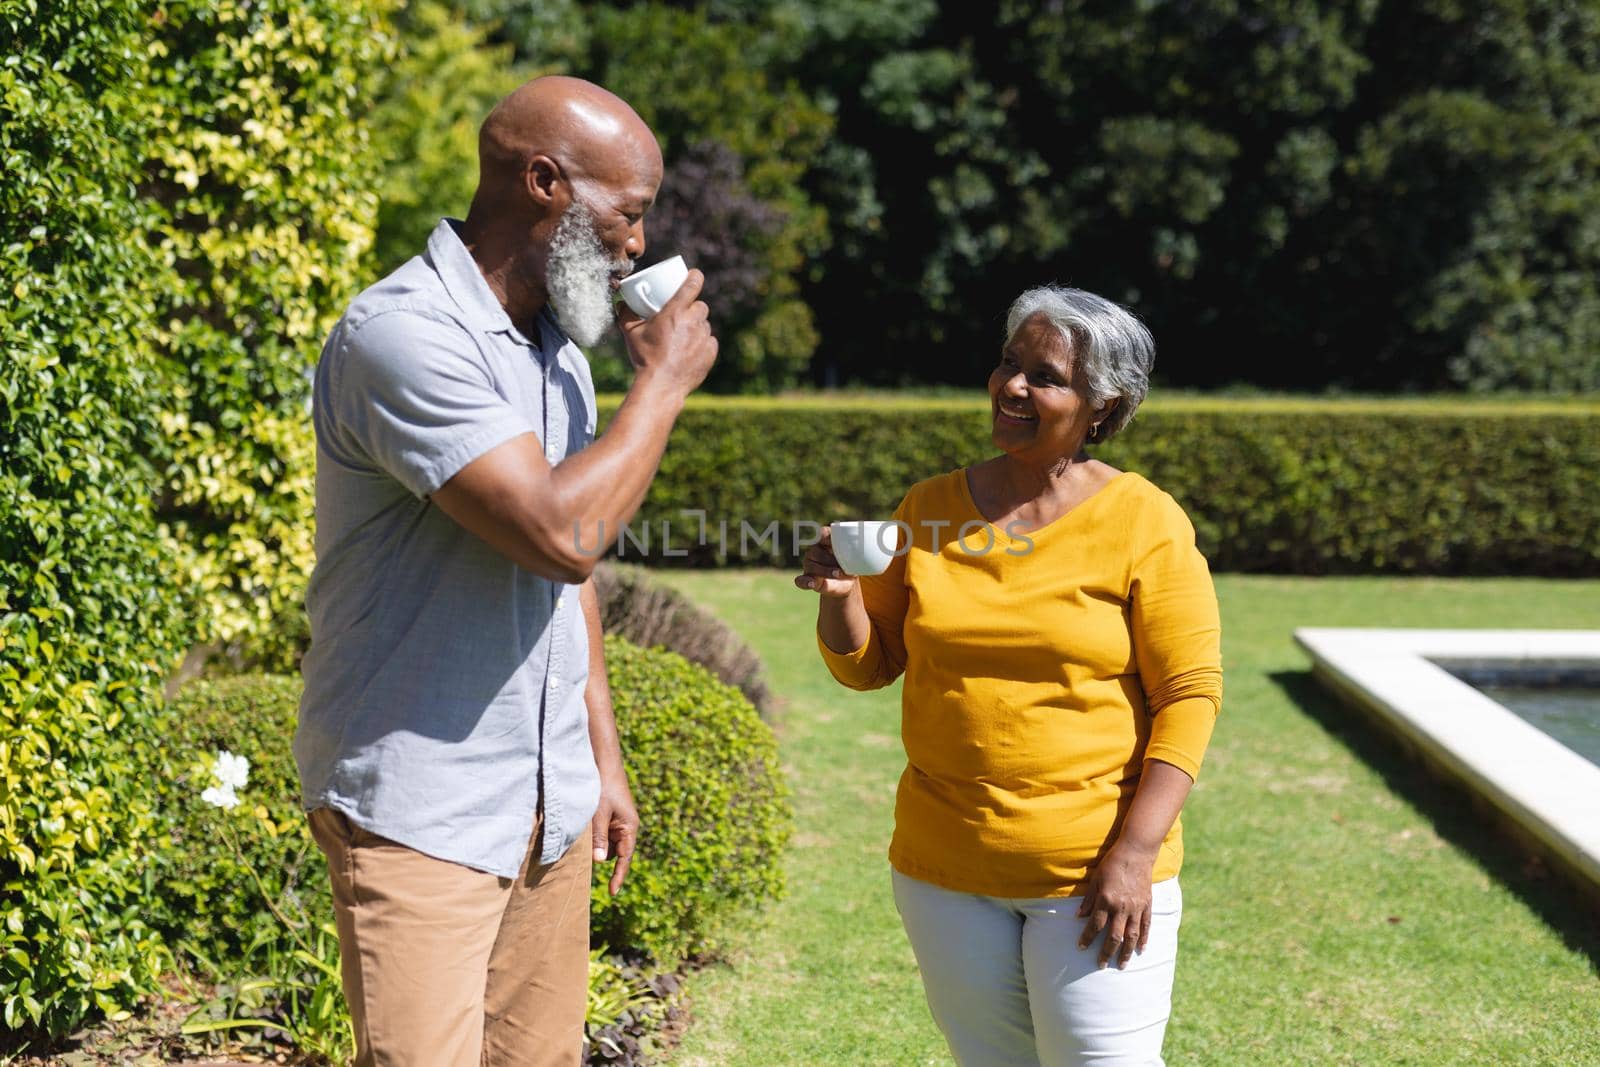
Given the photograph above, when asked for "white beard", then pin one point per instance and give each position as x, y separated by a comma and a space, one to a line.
578, 275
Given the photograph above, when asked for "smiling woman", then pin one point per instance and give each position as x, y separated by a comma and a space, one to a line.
1062, 680
1084, 341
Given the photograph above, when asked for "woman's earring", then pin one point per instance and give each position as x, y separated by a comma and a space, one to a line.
1094, 430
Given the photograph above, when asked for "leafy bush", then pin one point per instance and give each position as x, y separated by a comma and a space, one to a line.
208, 897
425, 124
712, 803
241, 896
651, 614
238, 894
263, 185
89, 616
1301, 487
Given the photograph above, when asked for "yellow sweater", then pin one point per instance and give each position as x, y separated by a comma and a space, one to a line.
1040, 674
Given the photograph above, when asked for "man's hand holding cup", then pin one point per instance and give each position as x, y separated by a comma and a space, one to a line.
674, 345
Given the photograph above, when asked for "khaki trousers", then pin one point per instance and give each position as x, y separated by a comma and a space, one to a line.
445, 966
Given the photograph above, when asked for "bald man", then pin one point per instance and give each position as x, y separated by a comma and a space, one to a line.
457, 752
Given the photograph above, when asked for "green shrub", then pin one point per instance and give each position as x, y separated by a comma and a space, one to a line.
235, 892
1304, 487
241, 895
425, 125
89, 620
652, 614
265, 198
206, 895
713, 806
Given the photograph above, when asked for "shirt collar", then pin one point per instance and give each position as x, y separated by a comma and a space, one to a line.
465, 283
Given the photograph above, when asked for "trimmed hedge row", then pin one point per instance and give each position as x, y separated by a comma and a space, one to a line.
1300, 487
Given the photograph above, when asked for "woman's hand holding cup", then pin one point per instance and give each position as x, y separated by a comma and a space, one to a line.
822, 570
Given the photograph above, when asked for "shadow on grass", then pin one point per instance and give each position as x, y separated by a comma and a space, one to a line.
1457, 815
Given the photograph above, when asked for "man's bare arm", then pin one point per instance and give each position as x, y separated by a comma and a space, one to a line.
615, 827
558, 521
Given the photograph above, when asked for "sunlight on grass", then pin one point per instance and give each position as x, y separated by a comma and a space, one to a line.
1339, 906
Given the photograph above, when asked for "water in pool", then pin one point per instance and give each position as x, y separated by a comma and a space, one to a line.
1571, 715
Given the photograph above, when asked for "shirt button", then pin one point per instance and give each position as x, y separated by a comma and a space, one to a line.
555, 683
561, 600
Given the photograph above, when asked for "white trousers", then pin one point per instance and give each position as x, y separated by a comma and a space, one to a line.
1008, 985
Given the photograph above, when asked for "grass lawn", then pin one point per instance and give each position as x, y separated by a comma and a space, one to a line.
1340, 907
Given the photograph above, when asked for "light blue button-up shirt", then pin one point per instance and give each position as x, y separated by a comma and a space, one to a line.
444, 684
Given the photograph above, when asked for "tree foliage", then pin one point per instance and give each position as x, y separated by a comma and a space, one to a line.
1404, 196
1401, 195
425, 124
737, 142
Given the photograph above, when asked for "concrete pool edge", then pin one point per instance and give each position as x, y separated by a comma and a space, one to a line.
1542, 786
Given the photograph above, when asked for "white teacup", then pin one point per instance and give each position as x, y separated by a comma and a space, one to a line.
647, 291
864, 547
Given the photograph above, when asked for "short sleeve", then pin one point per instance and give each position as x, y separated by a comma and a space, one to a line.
413, 396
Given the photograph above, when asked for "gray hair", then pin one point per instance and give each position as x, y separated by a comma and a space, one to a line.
1113, 347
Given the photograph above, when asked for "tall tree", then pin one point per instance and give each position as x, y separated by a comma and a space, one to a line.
1363, 193
737, 139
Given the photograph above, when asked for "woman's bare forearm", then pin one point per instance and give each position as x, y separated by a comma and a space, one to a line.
842, 622
1157, 801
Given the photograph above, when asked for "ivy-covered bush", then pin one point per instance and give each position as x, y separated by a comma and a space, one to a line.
1298, 487
713, 806
266, 198
89, 619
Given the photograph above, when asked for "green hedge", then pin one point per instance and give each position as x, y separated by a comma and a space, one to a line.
264, 196
89, 618
713, 808
186, 205
1290, 486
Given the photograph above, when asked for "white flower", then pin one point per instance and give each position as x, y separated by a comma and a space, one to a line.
232, 771
220, 796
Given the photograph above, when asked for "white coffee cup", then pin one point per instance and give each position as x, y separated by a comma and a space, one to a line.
647, 291
864, 547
